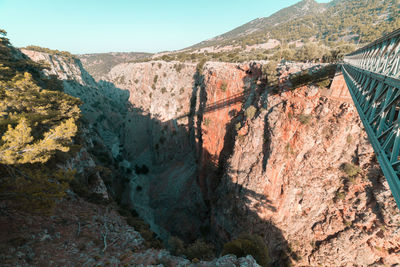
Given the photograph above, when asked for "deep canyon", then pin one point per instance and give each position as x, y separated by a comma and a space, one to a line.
226, 154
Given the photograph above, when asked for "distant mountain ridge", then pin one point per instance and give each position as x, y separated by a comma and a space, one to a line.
358, 21
99, 64
337, 26
302, 8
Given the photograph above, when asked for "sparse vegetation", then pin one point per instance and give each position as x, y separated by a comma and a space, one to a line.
200, 65
349, 139
250, 112
143, 228
224, 86
350, 169
304, 119
269, 70
64, 54
206, 122
200, 250
176, 246
248, 245
289, 149
340, 195
238, 126
178, 67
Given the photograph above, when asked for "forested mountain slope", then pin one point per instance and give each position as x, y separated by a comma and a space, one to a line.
359, 21
306, 7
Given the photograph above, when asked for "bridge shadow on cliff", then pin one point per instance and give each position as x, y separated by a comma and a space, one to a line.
226, 209
321, 76
314, 75
233, 206
218, 105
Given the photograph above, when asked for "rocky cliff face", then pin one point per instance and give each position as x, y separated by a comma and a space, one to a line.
279, 174
109, 121
227, 155
285, 180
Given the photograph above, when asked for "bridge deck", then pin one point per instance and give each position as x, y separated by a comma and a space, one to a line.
372, 74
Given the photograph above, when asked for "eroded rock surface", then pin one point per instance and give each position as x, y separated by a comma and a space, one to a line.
284, 181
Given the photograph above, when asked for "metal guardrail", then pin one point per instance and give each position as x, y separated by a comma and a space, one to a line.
372, 75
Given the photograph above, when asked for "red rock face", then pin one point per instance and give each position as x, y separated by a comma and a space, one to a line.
288, 184
282, 174
221, 85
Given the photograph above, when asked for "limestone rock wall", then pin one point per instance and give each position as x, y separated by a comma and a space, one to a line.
285, 182
279, 174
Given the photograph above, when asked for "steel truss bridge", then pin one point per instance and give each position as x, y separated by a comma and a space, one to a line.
372, 75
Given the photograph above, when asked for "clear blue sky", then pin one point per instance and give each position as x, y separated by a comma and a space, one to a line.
89, 26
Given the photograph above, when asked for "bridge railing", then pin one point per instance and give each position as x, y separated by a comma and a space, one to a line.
381, 56
372, 74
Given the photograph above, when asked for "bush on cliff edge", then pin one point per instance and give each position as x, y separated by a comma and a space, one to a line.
248, 245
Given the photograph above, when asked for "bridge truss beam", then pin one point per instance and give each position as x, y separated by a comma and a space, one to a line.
372, 75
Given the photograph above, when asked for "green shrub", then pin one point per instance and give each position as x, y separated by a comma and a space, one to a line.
250, 112
350, 169
340, 195
178, 67
324, 83
269, 70
200, 65
64, 54
163, 90
304, 119
207, 121
176, 246
238, 126
200, 250
248, 245
349, 139
224, 86
144, 229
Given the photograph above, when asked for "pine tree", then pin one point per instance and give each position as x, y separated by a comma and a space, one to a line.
37, 122
19, 146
